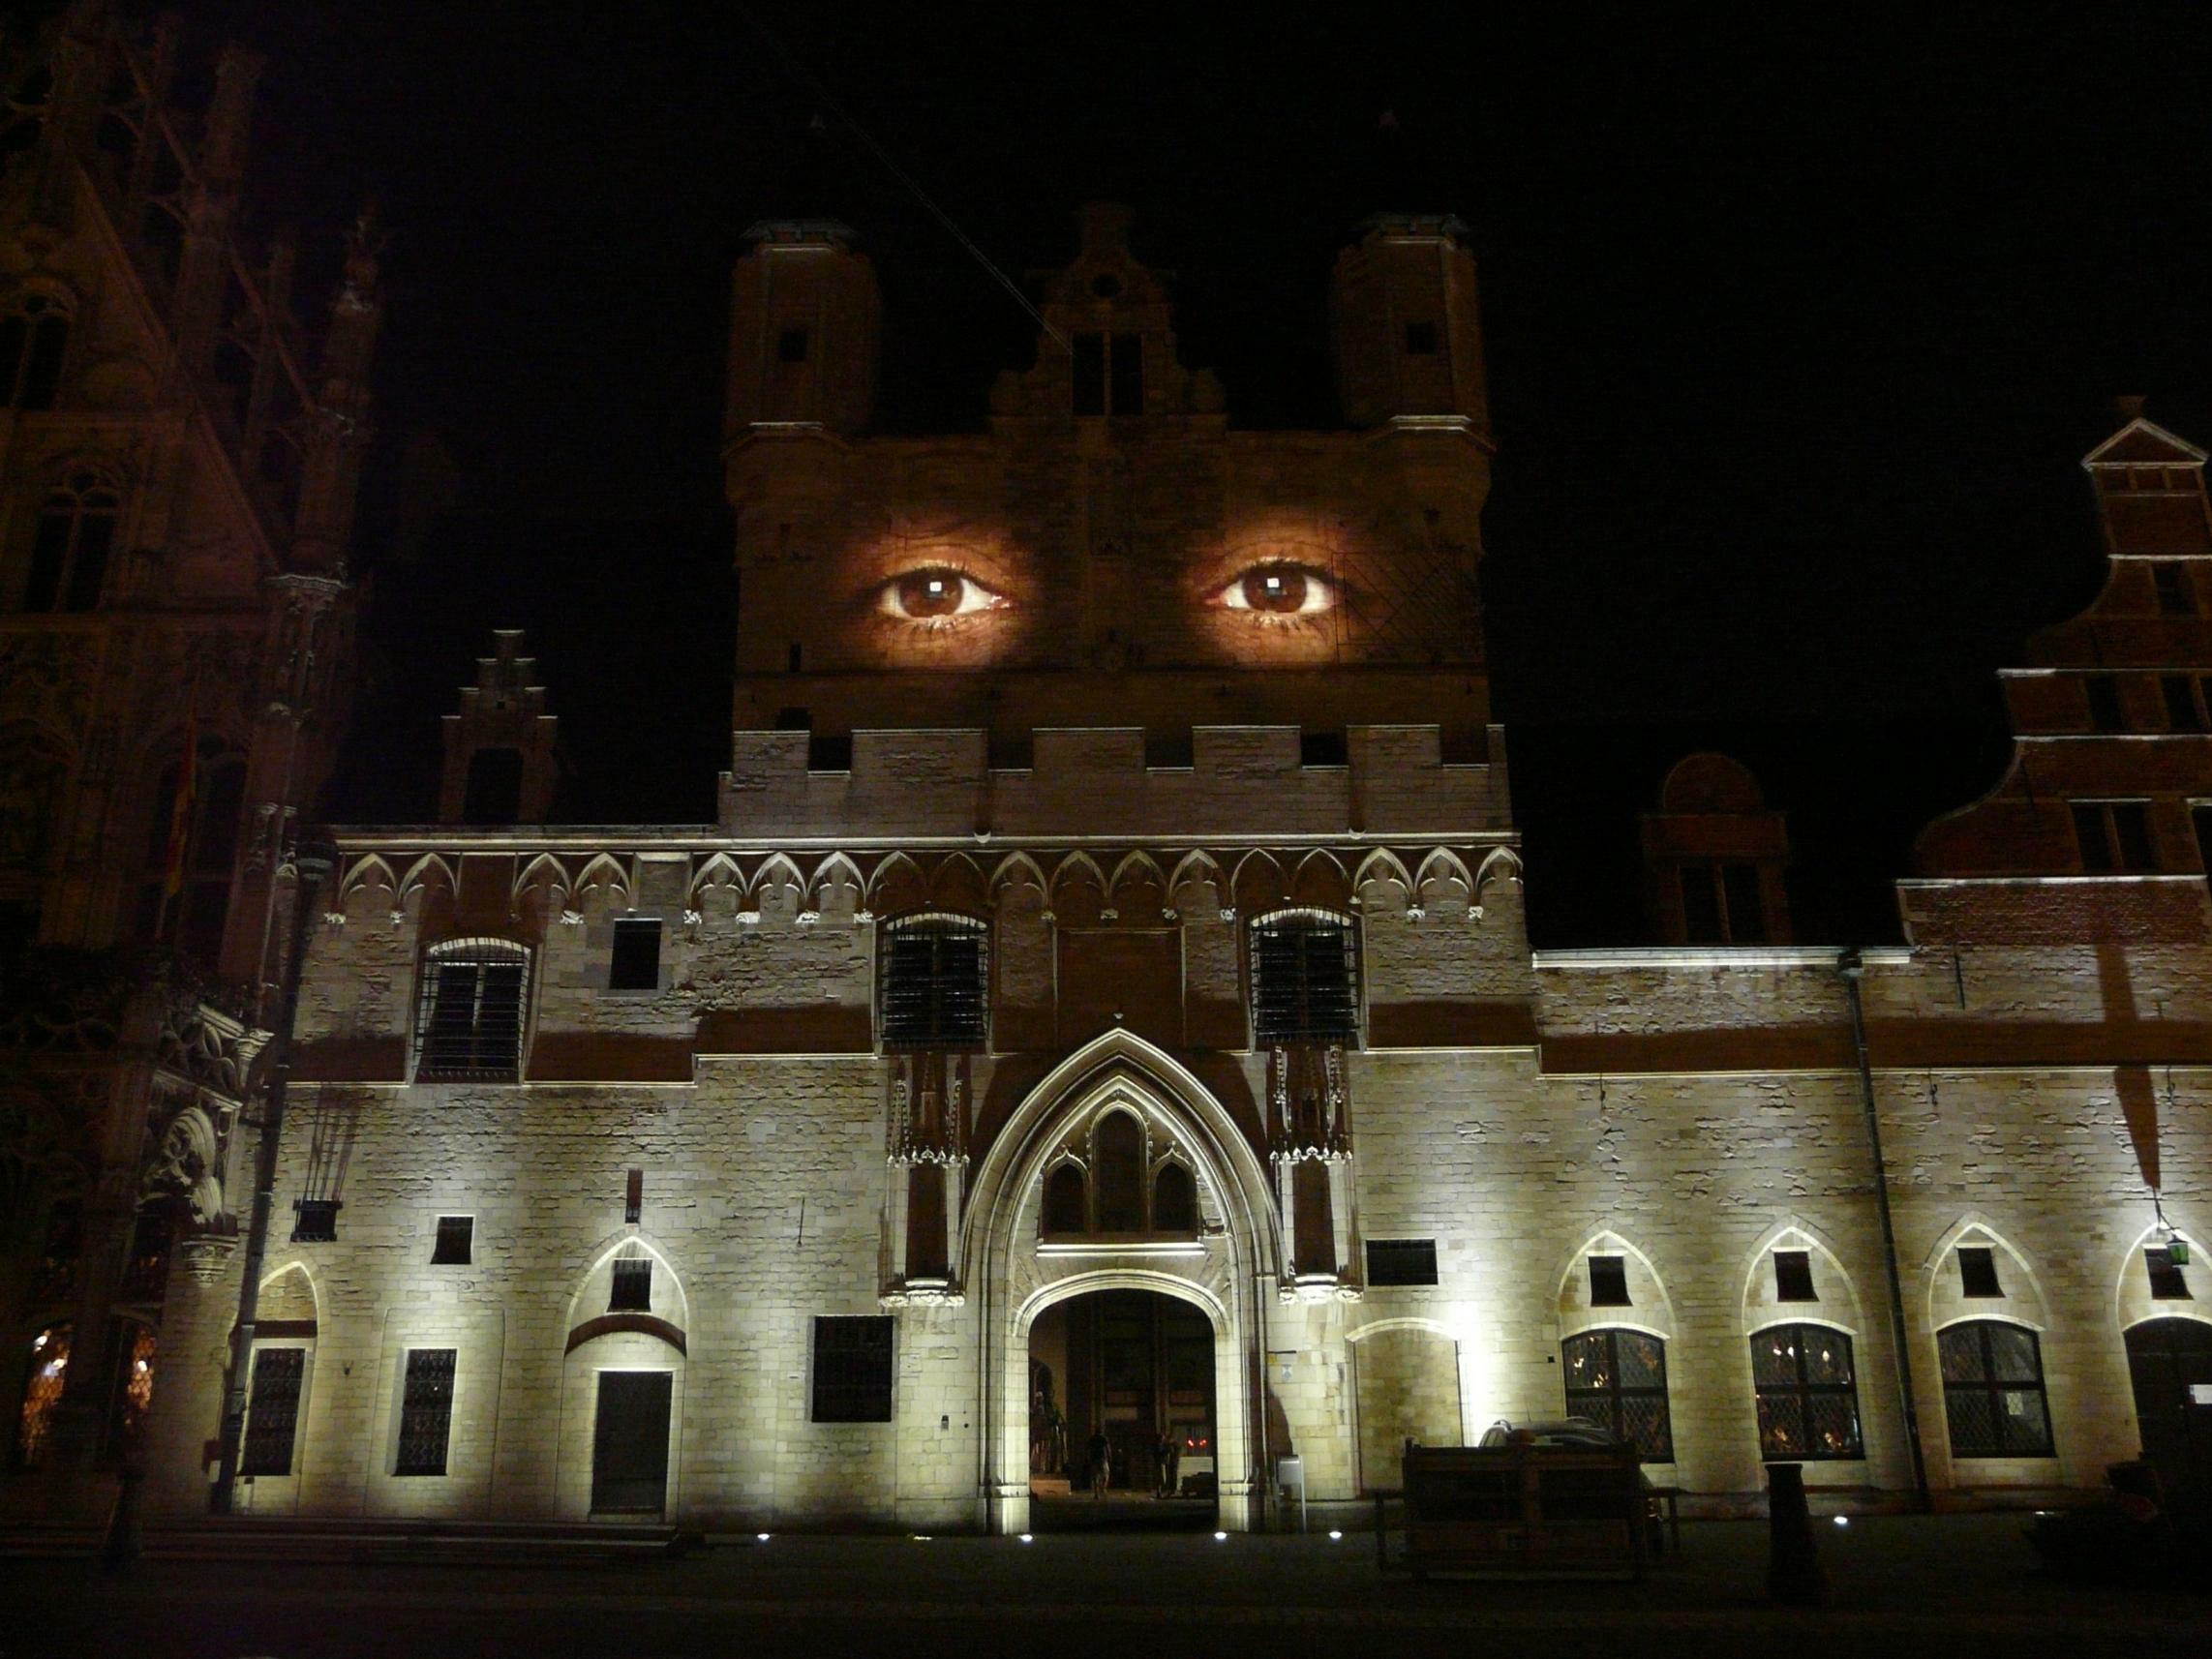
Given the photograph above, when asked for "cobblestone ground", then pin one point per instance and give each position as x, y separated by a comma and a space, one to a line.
1958, 1585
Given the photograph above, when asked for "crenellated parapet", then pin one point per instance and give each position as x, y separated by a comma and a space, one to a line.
1240, 780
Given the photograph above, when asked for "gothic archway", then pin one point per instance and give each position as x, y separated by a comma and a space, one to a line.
1015, 1269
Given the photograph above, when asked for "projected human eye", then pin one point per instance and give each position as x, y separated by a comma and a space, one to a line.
936, 594
1279, 587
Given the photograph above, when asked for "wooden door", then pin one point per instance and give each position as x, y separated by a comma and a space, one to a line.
629, 1443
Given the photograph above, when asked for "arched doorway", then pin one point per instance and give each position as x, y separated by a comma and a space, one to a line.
1129, 1374
1022, 1253
2170, 1363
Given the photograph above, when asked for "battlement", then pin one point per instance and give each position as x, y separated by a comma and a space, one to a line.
1244, 780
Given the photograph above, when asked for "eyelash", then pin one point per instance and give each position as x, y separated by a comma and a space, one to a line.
969, 598
1317, 593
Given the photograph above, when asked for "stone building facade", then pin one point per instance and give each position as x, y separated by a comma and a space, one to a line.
178, 460
1104, 1005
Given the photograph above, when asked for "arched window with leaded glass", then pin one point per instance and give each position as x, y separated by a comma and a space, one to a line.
1617, 1379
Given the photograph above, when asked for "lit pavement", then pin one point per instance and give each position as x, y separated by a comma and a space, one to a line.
1953, 1585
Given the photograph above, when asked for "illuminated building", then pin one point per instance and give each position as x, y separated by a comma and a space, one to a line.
1104, 1005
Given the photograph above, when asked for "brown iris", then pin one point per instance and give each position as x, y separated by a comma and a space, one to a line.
1274, 588
926, 593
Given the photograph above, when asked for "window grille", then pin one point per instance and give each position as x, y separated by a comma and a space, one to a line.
1401, 1261
1609, 1282
1305, 979
470, 1022
1807, 1394
852, 1370
426, 1412
631, 1291
314, 1221
1792, 1277
455, 1242
933, 983
1993, 1391
1617, 1379
1978, 1271
272, 1411
636, 963
2168, 1283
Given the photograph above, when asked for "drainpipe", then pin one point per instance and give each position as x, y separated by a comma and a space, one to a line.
1849, 964
313, 863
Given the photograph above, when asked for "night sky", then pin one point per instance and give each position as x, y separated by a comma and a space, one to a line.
1799, 322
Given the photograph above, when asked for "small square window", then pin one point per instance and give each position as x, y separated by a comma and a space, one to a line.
636, 963
1978, 1271
791, 346
1420, 340
314, 1221
1322, 749
455, 1242
632, 1288
1793, 1276
2168, 1283
1401, 1261
1609, 1282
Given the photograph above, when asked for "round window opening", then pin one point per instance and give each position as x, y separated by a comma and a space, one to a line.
1106, 285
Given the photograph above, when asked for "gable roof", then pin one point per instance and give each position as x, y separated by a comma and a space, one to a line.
2143, 443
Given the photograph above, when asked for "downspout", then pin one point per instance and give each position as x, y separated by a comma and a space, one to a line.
1852, 967
313, 863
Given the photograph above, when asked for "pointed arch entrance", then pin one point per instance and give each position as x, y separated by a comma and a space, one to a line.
1020, 1261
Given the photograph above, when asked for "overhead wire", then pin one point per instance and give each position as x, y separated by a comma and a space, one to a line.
828, 100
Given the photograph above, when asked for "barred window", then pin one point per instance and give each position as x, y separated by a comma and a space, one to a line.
933, 983
470, 1022
1992, 1390
1305, 979
1401, 1261
1808, 1395
852, 1370
426, 1412
314, 1221
272, 1411
1617, 1379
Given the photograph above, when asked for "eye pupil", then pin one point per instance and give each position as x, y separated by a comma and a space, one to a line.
1282, 591
923, 593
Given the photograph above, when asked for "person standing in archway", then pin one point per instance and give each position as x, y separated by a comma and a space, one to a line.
1100, 1451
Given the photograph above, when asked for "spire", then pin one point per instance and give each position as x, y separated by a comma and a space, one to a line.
340, 430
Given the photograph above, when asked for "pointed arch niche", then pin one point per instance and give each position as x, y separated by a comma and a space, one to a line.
1016, 1267
609, 1331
